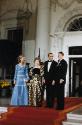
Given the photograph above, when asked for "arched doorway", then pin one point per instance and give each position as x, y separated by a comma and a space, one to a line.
75, 59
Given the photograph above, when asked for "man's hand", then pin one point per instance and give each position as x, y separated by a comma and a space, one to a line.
53, 82
61, 81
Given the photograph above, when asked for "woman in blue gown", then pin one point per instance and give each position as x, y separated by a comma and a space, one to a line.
20, 92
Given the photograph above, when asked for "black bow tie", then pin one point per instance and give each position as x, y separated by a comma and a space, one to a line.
49, 61
59, 61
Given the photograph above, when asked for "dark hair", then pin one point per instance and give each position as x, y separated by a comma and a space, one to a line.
19, 58
61, 53
49, 54
37, 58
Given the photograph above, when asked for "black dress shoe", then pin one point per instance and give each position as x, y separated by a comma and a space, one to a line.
59, 108
49, 106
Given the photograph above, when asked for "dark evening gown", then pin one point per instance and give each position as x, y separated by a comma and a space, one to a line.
35, 88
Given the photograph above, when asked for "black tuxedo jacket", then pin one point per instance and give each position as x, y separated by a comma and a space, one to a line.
61, 70
49, 76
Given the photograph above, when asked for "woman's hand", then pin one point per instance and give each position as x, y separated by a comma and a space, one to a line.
44, 81
14, 82
30, 73
26, 81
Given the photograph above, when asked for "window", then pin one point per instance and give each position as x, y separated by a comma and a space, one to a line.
75, 25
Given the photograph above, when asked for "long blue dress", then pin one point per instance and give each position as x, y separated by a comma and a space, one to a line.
20, 92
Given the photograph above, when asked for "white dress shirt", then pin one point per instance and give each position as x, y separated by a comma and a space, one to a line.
49, 64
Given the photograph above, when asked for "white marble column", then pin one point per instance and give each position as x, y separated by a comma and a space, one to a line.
43, 26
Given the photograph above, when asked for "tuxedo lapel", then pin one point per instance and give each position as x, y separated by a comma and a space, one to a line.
47, 66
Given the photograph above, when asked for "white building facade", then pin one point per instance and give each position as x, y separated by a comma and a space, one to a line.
55, 25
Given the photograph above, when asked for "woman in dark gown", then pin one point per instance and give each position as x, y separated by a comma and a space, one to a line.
35, 86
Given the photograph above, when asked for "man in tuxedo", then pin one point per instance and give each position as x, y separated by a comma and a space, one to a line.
61, 71
49, 79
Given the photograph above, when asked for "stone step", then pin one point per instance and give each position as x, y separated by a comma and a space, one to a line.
76, 114
3, 109
72, 122
74, 117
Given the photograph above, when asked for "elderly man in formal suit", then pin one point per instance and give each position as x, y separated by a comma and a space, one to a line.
49, 79
60, 81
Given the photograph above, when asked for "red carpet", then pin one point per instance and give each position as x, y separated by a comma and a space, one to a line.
38, 116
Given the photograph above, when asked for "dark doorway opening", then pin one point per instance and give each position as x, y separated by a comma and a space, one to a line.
8, 57
9, 51
75, 75
75, 70
16, 35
